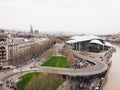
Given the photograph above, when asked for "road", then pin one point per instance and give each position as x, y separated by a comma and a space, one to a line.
6, 74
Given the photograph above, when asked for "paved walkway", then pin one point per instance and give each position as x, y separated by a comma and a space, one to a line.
98, 68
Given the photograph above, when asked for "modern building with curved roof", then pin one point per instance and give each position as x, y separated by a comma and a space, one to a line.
89, 43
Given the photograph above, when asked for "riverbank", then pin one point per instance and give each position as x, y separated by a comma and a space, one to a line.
107, 60
113, 78
105, 78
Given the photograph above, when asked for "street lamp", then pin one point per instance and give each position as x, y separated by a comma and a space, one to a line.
21, 69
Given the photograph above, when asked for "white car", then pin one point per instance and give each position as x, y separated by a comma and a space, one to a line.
33, 59
1, 83
15, 70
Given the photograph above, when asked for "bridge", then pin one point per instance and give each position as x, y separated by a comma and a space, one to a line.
99, 67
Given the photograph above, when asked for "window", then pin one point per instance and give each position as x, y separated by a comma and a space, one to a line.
2, 52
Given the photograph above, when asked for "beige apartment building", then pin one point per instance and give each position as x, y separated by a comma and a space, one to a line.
14, 50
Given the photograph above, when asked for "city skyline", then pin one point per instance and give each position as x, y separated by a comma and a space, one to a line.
97, 17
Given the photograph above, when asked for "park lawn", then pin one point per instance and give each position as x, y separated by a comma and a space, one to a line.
57, 61
40, 81
25, 79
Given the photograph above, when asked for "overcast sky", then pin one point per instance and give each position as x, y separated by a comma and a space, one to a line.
83, 16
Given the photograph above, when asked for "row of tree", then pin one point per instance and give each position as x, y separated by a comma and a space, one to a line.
69, 55
28, 54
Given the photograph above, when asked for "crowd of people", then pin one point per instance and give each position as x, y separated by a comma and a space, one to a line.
85, 83
81, 63
108, 55
88, 82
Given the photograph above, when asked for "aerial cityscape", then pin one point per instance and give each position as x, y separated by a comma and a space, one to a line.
59, 45
76, 62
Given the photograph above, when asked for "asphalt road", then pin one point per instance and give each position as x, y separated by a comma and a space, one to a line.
4, 75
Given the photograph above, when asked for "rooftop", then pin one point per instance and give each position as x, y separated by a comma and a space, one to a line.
75, 39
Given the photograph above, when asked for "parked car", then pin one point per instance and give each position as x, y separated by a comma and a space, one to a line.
1, 83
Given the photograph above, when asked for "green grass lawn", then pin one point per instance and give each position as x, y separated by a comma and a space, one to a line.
25, 79
57, 61
40, 81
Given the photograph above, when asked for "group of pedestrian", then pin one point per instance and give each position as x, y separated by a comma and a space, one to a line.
86, 82
108, 55
81, 63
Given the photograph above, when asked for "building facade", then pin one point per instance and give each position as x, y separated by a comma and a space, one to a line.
36, 31
14, 50
88, 43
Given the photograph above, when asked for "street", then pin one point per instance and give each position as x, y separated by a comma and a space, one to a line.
4, 75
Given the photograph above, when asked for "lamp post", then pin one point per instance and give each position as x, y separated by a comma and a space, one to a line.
21, 69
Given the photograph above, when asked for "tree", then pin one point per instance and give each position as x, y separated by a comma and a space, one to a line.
70, 57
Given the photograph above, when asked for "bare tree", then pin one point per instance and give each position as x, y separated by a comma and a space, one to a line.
69, 55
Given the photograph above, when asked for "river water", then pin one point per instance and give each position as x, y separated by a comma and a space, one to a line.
113, 78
